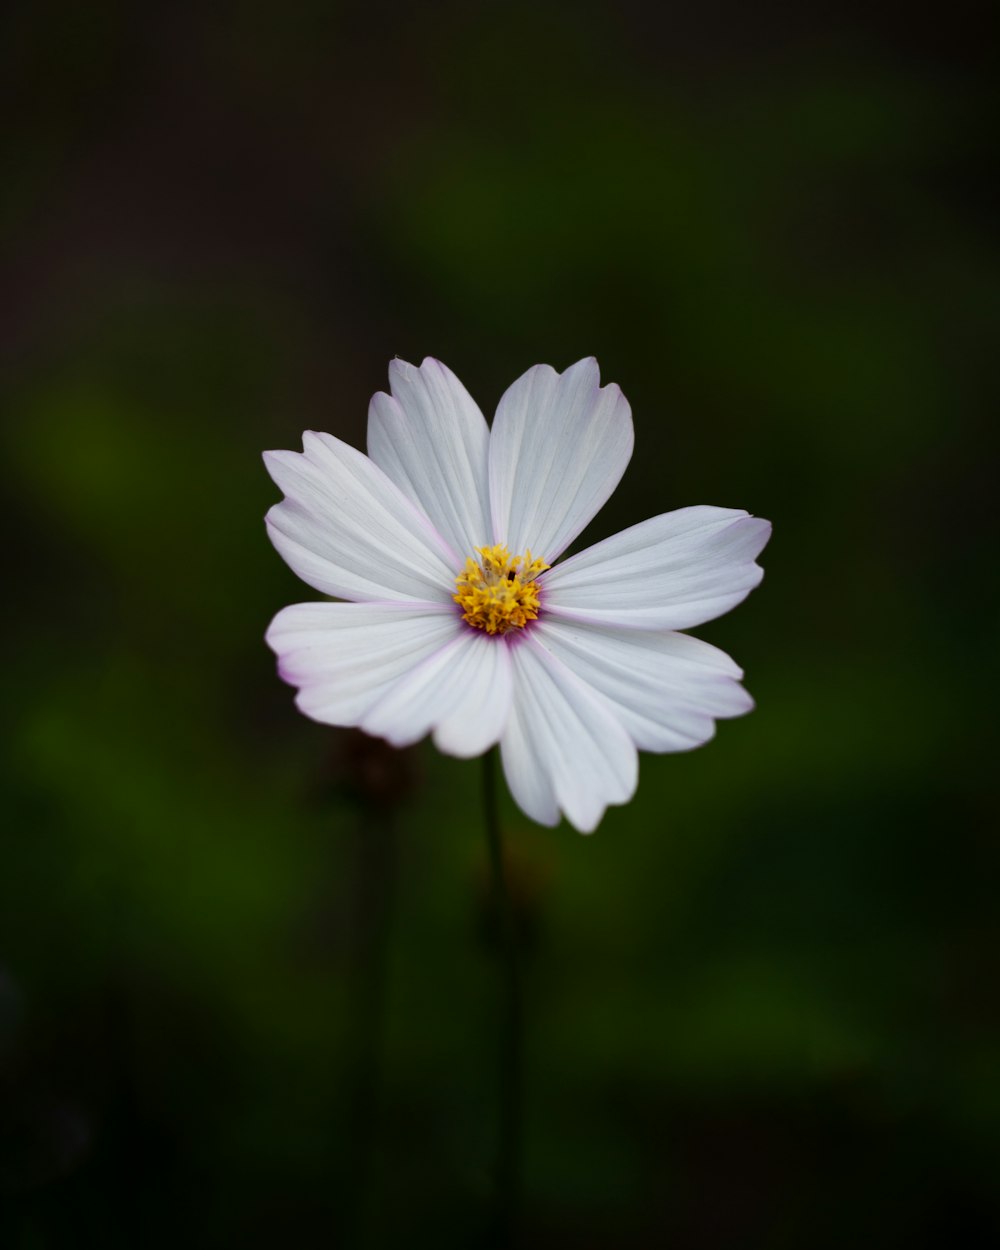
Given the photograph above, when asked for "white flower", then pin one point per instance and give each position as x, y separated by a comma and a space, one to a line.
570, 668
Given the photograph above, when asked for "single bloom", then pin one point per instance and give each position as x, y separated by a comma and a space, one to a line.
460, 620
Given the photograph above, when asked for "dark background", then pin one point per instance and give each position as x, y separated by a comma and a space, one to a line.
762, 1005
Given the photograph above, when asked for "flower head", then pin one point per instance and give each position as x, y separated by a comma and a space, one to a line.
459, 622
498, 592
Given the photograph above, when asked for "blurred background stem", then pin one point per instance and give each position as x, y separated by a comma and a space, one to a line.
375, 872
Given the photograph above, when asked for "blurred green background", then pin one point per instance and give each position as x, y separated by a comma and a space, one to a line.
247, 973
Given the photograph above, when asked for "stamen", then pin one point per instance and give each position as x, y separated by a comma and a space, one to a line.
499, 592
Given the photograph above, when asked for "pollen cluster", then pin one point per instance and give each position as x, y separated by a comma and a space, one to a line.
498, 593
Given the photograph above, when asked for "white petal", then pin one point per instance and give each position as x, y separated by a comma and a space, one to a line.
430, 438
344, 657
666, 688
346, 529
559, 447
462, 692
563, 747
671, 572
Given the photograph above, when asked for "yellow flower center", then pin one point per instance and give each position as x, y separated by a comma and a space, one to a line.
499, 592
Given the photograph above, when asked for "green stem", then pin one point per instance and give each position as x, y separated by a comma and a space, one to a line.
507, 1182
